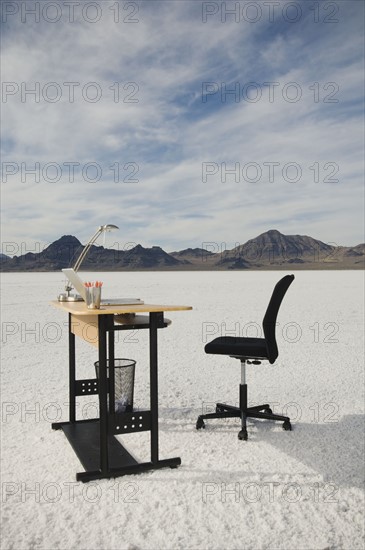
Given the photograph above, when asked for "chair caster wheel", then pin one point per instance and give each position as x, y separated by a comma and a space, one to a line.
268, 411
287, 425
200, 423
243, 435
219, 409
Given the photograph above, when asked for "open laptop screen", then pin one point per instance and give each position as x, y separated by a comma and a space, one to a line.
79, 286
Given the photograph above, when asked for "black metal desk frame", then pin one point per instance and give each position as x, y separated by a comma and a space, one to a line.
93, 441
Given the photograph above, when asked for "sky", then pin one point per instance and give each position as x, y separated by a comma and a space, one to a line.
182, 122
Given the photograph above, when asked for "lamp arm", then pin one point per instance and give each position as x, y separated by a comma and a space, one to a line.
66, 297
87, 248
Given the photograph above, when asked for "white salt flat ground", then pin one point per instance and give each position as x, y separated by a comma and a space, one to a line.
280, 490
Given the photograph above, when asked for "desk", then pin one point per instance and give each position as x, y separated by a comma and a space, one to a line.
100, 453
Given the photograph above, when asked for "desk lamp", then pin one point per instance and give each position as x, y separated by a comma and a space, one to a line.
66, 296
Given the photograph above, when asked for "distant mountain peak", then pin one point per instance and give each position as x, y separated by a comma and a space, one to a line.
272, 232
68, 240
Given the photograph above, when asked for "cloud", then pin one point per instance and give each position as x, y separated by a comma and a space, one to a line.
123, 101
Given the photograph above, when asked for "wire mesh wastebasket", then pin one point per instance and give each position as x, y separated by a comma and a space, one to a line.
124, 370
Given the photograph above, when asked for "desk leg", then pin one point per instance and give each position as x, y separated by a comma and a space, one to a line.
103, 391
111, 357
154, 386
72, 371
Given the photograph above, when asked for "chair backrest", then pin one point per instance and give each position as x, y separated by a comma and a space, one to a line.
269, 322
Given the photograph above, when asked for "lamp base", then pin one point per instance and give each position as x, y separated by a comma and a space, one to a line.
69, 297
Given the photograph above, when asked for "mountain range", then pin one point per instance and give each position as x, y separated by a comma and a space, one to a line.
270, 250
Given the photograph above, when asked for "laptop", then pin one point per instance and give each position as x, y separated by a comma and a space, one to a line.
79, 286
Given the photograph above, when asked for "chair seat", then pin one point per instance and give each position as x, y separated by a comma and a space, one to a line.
251, 348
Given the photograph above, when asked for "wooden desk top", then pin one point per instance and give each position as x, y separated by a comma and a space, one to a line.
79, 308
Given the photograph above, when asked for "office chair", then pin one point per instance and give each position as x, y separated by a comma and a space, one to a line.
250, 351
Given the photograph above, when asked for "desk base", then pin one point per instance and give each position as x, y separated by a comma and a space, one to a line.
84, 437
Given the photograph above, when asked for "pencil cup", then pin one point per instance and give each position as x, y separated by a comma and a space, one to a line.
93, 297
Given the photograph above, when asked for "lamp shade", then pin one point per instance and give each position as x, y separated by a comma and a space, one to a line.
109, 227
